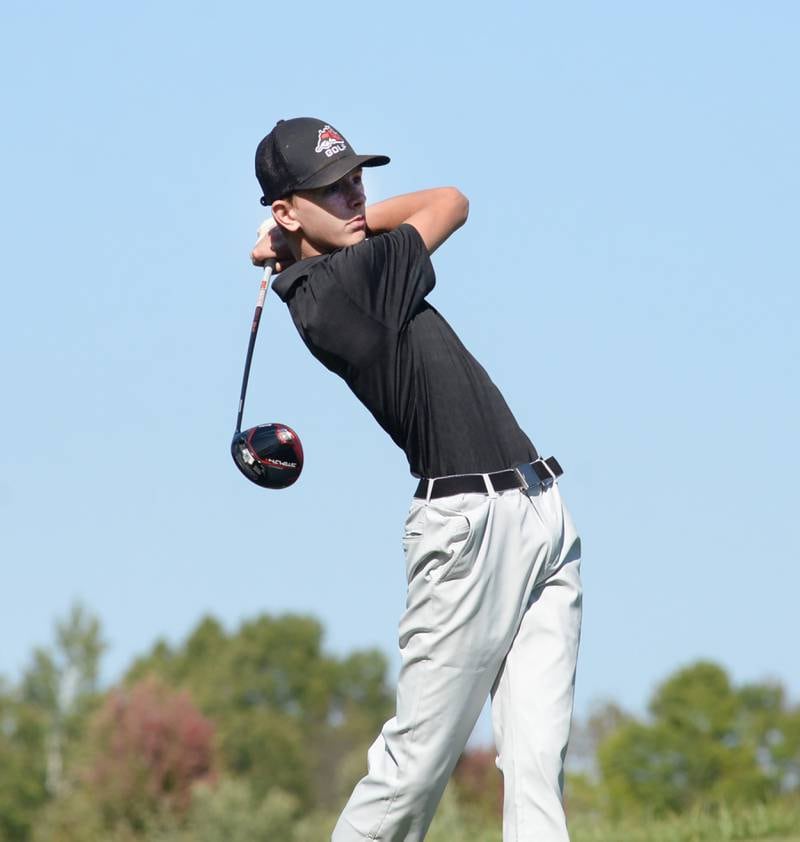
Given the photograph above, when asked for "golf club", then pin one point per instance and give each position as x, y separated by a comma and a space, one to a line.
270, 455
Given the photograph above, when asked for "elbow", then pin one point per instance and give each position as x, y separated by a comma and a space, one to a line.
460, 205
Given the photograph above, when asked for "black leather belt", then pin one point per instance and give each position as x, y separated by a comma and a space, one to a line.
541, 472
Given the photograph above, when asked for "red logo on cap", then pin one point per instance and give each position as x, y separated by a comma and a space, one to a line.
330, 142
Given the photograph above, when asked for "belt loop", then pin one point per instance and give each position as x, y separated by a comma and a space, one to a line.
489, 487
429, 492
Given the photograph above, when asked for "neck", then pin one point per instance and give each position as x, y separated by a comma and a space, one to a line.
301, 247
308, 250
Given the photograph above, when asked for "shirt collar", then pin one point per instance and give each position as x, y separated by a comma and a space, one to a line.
289, 277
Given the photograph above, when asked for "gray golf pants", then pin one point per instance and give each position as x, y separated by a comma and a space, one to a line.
493, 606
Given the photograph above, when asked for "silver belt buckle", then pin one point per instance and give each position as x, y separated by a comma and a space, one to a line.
531, 478
527, 476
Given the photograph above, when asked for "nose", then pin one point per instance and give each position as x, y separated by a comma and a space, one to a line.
356, 195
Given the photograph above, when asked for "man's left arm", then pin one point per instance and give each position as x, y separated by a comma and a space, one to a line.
435, 213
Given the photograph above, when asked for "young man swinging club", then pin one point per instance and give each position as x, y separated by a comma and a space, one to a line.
492, 556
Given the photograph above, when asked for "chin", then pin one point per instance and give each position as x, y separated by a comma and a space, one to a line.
355, 238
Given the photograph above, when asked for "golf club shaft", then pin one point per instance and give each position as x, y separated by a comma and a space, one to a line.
269, 268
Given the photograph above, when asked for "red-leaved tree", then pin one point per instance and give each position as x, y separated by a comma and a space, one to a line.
478, 781
151, 745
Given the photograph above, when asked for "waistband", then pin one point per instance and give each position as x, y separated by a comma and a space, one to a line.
542, 472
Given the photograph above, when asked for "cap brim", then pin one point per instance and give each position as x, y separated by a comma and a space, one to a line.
340, 167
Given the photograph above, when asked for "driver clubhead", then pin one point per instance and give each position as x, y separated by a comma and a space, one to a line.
270, 455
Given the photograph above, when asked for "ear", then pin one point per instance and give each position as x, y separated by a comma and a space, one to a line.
283, 212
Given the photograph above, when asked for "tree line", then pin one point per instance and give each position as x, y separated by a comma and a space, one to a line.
260, 734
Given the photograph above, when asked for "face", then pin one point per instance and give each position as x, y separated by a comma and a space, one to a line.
330, 217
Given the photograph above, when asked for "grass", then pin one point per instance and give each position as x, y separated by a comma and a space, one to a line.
778, 821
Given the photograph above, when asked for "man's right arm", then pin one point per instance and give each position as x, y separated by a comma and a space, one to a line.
434, 213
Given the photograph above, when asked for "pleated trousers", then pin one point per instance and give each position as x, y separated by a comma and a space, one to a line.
493, 607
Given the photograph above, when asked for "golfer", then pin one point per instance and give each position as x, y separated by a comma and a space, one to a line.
492, 556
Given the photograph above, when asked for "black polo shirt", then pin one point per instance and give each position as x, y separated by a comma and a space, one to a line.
362, 312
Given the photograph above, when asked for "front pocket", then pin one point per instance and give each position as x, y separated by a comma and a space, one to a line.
451, 532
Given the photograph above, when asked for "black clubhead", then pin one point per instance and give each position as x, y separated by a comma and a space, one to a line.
270, 455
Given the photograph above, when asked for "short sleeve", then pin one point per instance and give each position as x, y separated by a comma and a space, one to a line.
387, 275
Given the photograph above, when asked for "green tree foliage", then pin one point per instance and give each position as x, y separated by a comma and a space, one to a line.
22, 765
584, 793
42, 720
72, 817
785, 750
707, 744
230, 813
771, 728
289, 716
61, 684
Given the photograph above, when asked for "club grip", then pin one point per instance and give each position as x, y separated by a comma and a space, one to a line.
269, 268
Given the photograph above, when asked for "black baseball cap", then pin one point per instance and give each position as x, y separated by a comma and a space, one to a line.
304, 153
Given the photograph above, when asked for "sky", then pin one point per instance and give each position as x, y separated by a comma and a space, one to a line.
628, 277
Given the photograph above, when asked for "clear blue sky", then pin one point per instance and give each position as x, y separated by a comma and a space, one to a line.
628, 276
